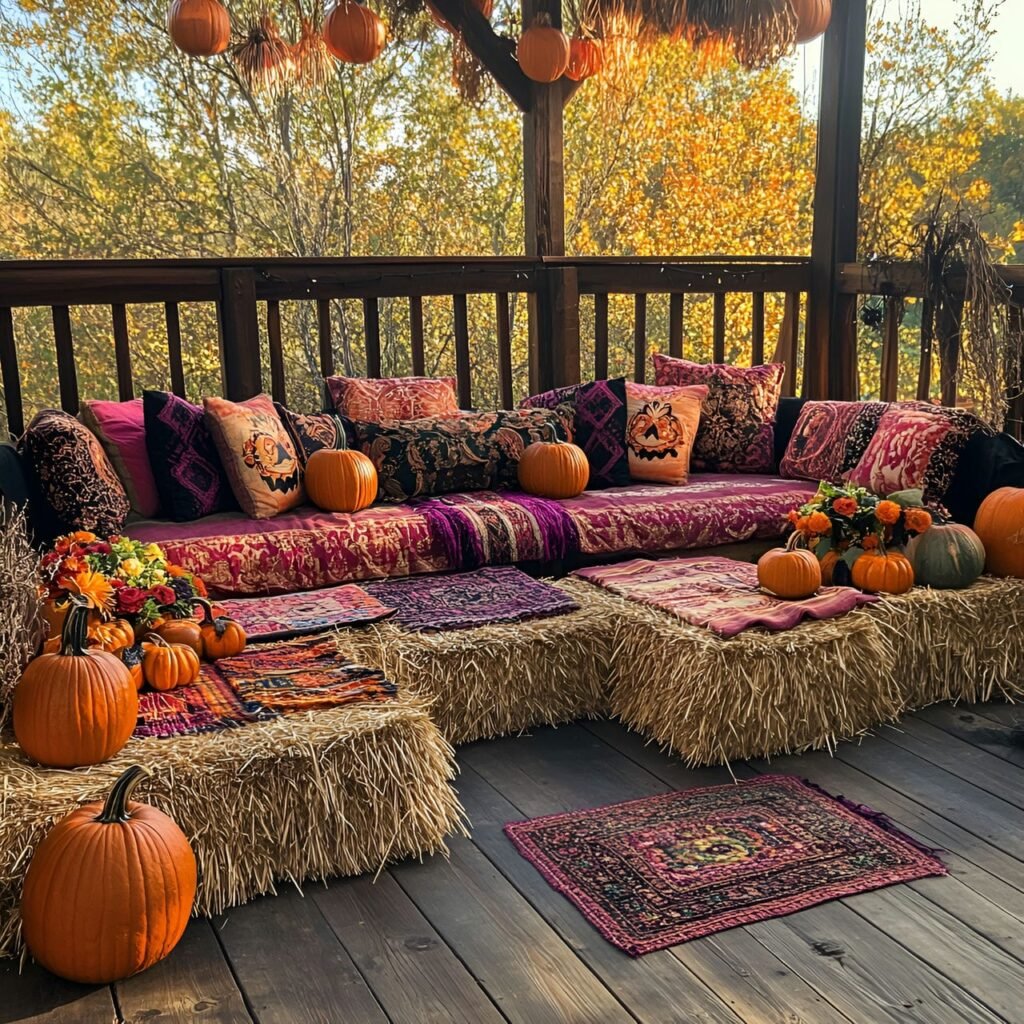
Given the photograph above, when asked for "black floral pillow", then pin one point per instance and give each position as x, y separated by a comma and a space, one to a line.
419, 458
310, 432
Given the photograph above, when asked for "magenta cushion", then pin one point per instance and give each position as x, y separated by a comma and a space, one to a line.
121, 428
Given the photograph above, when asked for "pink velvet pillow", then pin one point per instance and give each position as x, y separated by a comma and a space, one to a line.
121, 430
661, 424
737, 422
393, 398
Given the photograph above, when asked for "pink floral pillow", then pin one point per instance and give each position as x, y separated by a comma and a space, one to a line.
737, 422
661, 424
393, 398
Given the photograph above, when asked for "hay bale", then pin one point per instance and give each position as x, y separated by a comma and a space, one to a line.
499, 679
301, 797
712, 700
20, 623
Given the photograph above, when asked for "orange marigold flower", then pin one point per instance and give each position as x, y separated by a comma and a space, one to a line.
845, 506
801, 524
94, 587
870, 542
793, 516
888, 512
918, 520
818, 522
176, 570
82, 537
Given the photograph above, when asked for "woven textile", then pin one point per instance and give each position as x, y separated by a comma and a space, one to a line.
209, 705
655, 872
304, 675
719, 593
470, 599
292, 615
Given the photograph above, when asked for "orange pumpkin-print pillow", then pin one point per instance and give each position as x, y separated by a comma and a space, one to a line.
393, 398
661, 424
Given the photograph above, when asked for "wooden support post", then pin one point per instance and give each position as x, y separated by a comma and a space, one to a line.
239, 334
831, 354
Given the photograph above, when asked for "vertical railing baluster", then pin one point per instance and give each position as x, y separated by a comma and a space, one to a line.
675, 325
924, 368
122, 352
890, 363
640, 337
371, 330
504, 325
10, 374
174, 362
600, 336
462, 365
323, 321
718, 352
67, 375
278, 387
757, 329
416, 332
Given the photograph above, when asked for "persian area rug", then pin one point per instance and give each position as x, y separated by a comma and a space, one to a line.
655, 872
718, 593
287, 616
304, 675
471, 599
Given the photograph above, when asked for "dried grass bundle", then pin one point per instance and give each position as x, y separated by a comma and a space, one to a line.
763, 32
468, 74
21, 628
264, 58
310, 56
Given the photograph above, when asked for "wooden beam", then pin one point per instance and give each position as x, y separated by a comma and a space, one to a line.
831, 357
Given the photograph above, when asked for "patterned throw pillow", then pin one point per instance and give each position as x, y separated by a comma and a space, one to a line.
393, 398
738, 419
443, 455
599, 426
829, 438
121, 428
189, 476
73, 475
660, 431
310, 432
257, 454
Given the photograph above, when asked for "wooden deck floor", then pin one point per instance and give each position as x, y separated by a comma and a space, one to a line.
482, 938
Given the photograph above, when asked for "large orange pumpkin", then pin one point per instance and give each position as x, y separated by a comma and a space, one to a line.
201, 28
883, 572
74, 706
354, 33
166, 666
543, 51
109, 890
791, 572
1000, 525
812, 18
553, 469
586, 58
222, 636
341, 481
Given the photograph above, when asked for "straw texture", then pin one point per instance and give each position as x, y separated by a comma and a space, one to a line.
21, 627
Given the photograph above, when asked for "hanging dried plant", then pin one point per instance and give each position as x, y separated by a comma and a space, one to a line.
264, 59
763, 32
709, 21
312, 61
468, 74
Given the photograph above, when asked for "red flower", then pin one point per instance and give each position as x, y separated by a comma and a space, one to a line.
163, 595
116, 583
99, 548
130, 600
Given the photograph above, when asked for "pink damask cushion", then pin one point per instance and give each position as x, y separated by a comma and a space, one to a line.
661, 424
121, 428
737, 421
829, 438
393, 398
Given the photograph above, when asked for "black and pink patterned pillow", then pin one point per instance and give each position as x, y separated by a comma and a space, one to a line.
829, 438
311, 432
188, 472
599, 426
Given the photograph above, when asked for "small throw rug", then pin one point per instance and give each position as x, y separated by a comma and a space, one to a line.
471, 599
287, 616
655, 872
718, 593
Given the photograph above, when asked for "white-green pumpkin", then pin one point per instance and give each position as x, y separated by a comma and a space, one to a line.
949, 556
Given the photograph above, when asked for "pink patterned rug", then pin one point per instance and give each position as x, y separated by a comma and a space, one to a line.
655, 872
719, 593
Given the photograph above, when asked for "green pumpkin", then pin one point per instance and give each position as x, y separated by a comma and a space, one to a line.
949, 556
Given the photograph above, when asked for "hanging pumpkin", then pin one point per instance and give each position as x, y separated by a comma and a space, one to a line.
112, 636
166, 666
485, 7
553, 469
201, 28
948, 556
74, 706
791, 572
586, 58
109, 890
883, 572
812, 18
131, 658
1000, 525
222, 636
543, 51
354, 33
181, 631
340, 481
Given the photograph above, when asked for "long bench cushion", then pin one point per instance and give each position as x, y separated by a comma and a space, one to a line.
309, 548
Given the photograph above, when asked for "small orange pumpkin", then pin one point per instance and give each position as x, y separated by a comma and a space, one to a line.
828, 563
109, 890
812, 18
543, 51
222, 636
1000, 525
166, 666
113, 636
181, 631
201, 28
132, 660
586, 58
791, 572
553, 469
341, 481
883, 572
74, 706
354, 33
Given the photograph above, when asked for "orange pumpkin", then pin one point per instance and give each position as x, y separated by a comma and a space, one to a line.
74, 706
114, 635
53, 616
181, 631
812, 18
341, 481
109, 890
828, 563
553, 469
166, 666
543, 51
222, 636
791, 572
131, 657
201, 28
586, 58
354, 33
883, 572
485, 7
1000, 525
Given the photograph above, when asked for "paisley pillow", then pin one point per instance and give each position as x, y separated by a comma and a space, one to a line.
257, 454
72, 475
737, 423
662, 424
393, 398
310, 432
